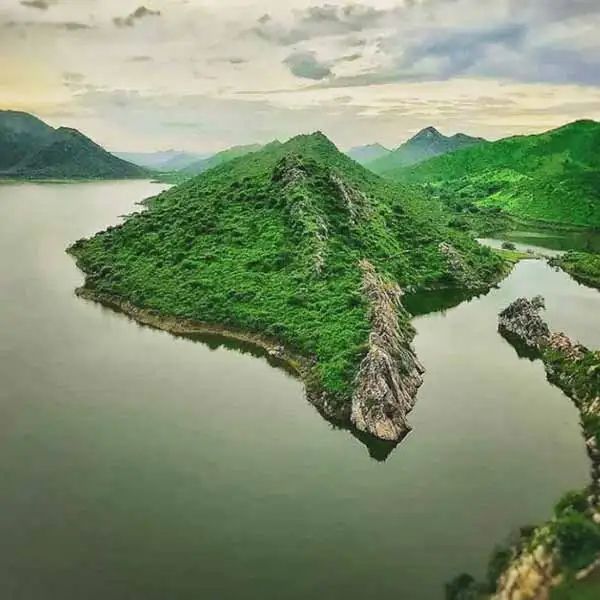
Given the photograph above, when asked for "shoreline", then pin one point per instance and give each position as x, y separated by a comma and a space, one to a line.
299, 366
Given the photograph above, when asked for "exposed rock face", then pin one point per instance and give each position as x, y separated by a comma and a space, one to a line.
356, 203
529, 577
522, 320
390, 374
461, 271
570, 366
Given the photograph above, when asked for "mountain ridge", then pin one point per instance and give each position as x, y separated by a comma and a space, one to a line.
425, 144
29, 148
553, 176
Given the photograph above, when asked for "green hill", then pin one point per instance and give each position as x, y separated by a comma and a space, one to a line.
31, 149
554, 176
218, 159
426, 144
299, 245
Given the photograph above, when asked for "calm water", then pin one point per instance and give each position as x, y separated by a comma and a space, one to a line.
550, 243
135, 465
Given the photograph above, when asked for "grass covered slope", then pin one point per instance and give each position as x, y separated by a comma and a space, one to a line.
272, 243
30, 149
554, 176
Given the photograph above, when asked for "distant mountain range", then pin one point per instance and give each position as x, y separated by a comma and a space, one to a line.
29, 148
366, 154
552, 177
168, 160
220, 158
429, 142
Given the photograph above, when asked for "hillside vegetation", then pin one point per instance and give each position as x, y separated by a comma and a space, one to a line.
582, 266
426, 144
552, 177
271, 243
31, 149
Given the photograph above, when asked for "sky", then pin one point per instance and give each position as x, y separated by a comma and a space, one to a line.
202, 75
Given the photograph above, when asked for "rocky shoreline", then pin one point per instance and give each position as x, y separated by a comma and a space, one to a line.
544, 563
387, 380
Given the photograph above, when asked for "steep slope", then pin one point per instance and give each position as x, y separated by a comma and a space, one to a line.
295, 245
369, 153
31, 149
220, 158
554, 176
426, 144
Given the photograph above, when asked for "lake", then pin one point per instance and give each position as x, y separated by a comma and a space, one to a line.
138, 465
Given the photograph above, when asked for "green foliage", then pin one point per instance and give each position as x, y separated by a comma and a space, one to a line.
572, 502
270, 243
552, 177
577, 539
582, 266
570, 589
463, 587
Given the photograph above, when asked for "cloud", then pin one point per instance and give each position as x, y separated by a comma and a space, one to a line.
39, 4
66, 25
322, 21
139, 13
306, 65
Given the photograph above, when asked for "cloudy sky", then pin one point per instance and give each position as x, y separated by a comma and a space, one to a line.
205, 74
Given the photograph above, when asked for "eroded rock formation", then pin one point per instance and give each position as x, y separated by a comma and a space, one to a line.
522, 320
390, 374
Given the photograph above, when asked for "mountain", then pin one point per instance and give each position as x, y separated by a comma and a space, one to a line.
220, 158
366, 154
427, 143
31, 149
168, 160
298, 249
553, 176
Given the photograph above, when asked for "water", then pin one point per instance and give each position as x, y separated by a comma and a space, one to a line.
136, 465
547, 242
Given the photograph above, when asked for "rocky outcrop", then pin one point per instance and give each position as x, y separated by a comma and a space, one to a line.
529, 577
460, 270
522, 320
355, 201
390, 374
570, 366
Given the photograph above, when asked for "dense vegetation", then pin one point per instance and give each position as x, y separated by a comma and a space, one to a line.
271, 242
424, 145
552, 177
31, 149
582, 266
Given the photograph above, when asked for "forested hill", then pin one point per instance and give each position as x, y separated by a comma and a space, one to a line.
31, 149
273, 243
553, 176
427, 143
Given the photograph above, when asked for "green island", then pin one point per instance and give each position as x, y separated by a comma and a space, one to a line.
303, 250
551, 178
